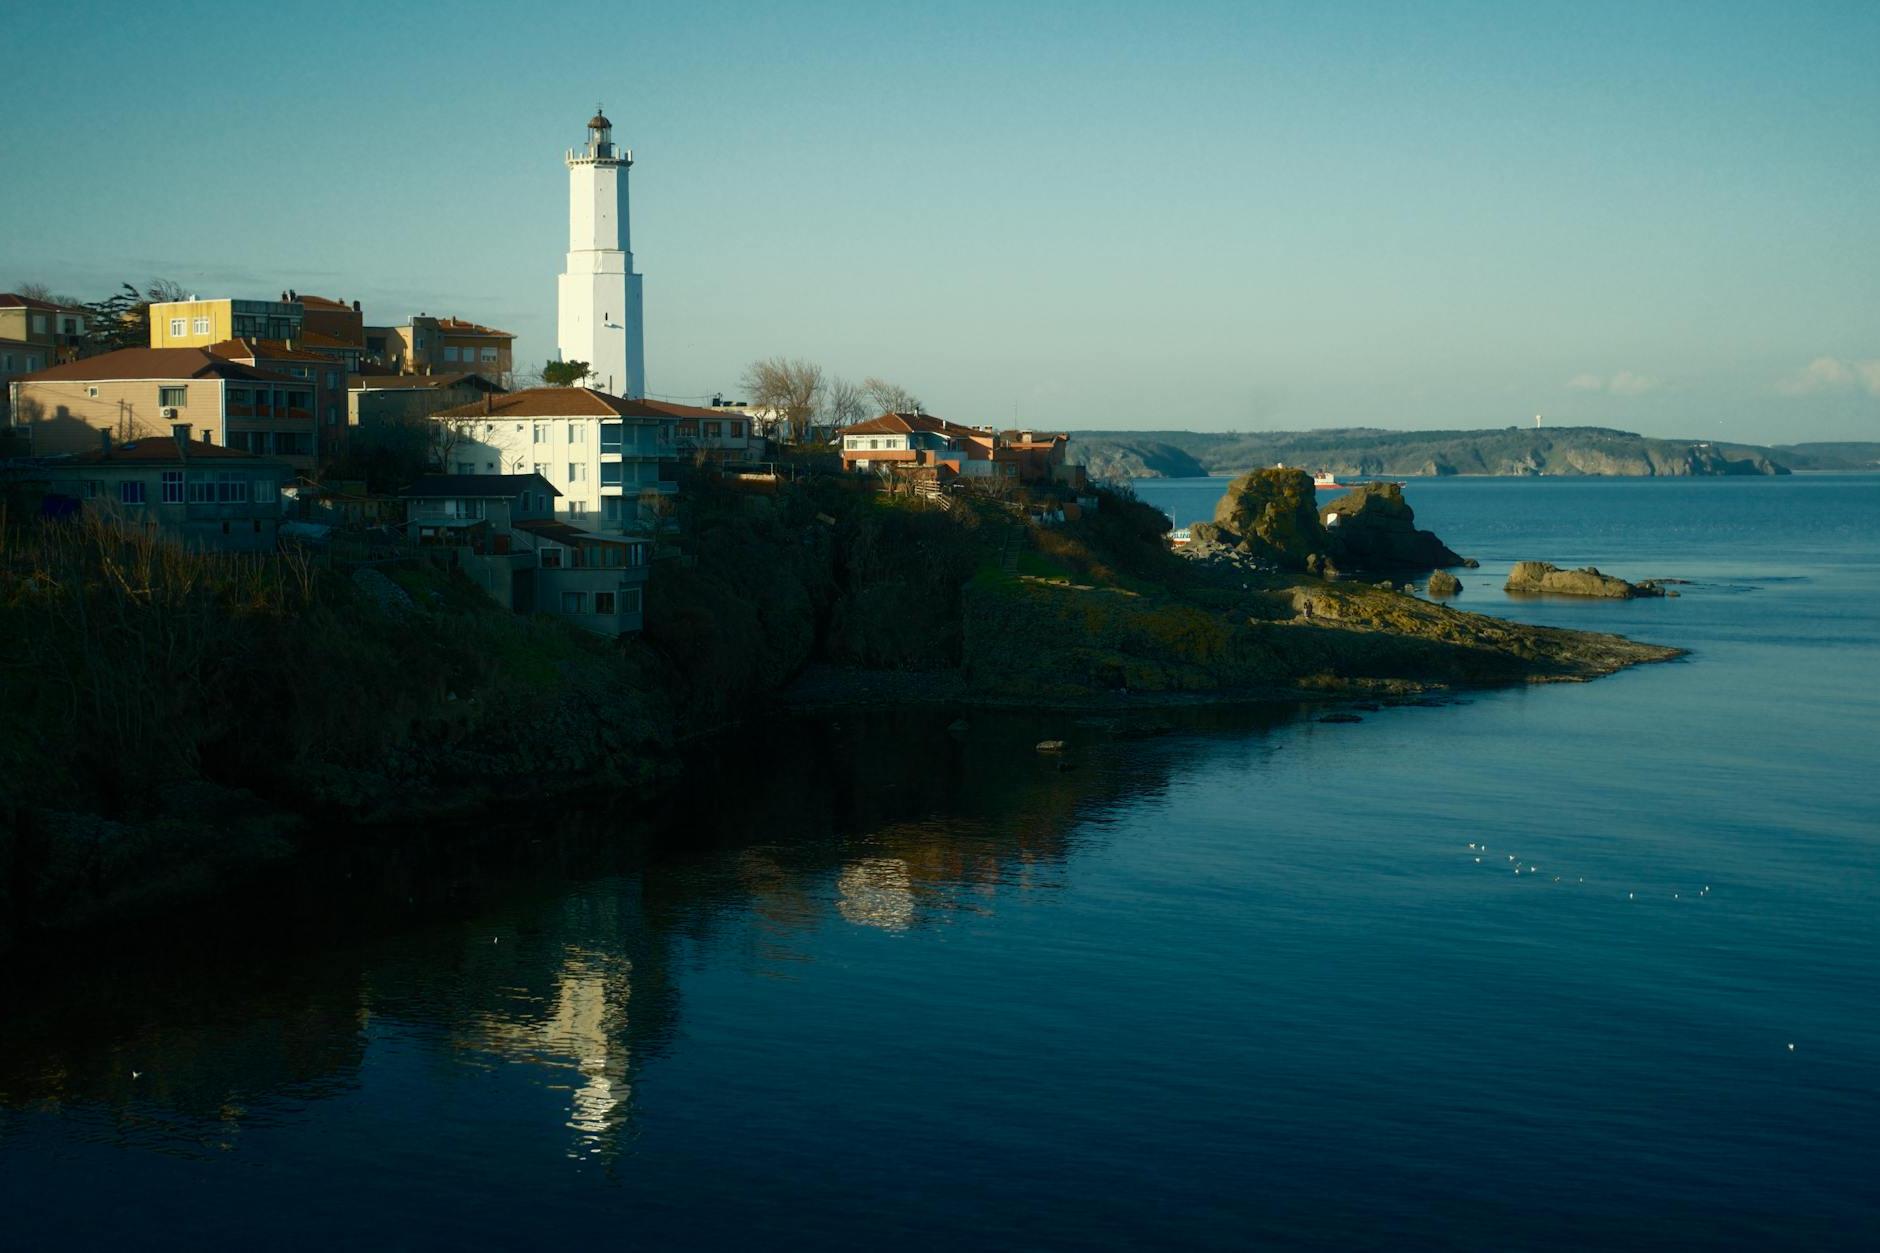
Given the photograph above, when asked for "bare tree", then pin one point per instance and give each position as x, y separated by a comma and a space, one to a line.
164, 290
843, 404
41, 291
790, 388
889, 397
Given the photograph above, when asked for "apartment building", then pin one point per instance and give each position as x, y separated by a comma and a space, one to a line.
137, 393
429, 345
325, 372
203, 494
502, 533
610, 459
52, 332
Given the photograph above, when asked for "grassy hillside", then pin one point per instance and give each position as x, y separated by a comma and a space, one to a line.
1368, 451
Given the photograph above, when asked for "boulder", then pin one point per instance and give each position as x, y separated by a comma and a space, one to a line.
1375, 529
1443, 583
1541, 576
1275, 514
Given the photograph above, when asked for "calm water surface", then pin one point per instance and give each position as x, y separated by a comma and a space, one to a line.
1244, 983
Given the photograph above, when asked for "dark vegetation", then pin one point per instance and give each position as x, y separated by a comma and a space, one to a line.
176, 716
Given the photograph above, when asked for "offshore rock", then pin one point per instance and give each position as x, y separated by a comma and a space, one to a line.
1376, 530
1541, 576
1443, 583
1274, 513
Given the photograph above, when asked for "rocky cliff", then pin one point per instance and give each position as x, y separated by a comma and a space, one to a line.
1362, 451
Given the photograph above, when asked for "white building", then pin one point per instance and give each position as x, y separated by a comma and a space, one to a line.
603, 454
600, 298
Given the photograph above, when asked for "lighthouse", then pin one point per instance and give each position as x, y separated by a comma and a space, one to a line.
599, 311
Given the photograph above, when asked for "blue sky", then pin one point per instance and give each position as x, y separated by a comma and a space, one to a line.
1220, 216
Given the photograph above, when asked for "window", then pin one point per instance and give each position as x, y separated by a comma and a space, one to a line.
874, 443
714, 430
92, 392
630, 599
6, 362
574, 602
466, 467
577, 472
541, 468
450, 353
130, 493
300, 372
489, 354
610, 474
267, 492
489, 467
332, 378
177, 326
604, 604
540, 435
576, 509
202, 326
172, 487
238, 396
69, 325
577, 432
610, 436
551, 558
736, 429
419, 340
230, 489
173, 397
32, 363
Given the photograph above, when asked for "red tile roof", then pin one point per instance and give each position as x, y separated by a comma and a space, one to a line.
154, 363
691, 411
904, 423
162, 448
457, 326
556, 402
13, 300
274, 349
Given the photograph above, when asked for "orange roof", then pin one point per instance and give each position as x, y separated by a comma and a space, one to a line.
154, 363
457, 326
555, 402
905, 423
274, 349
321, 302
13, 300
691, 411
391, 380
158, 448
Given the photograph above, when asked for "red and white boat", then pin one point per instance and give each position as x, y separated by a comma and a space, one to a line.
1325, 478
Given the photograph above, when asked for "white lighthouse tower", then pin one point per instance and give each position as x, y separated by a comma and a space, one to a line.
599, 320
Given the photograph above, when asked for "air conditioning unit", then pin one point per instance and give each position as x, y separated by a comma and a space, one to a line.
169, 411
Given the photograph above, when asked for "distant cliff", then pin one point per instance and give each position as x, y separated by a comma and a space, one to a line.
1579, 450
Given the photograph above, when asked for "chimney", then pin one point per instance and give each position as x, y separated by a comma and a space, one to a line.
181, 431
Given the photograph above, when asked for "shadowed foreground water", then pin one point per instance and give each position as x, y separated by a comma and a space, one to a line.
1245, 981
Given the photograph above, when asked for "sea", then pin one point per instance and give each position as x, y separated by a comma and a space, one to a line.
1558, 967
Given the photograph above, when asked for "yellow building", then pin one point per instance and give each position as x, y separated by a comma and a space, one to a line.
199, 323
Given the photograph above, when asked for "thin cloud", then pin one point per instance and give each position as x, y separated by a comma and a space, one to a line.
1624, 383
1824, 375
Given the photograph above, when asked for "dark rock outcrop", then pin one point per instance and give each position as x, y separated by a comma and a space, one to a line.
1375, 529
1443, 583
1541, 576
1275, 514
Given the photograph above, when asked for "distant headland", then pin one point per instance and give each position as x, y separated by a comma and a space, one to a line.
1518, 451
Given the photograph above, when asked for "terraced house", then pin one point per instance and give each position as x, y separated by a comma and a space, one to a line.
203, 494
137, 393
610, 459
